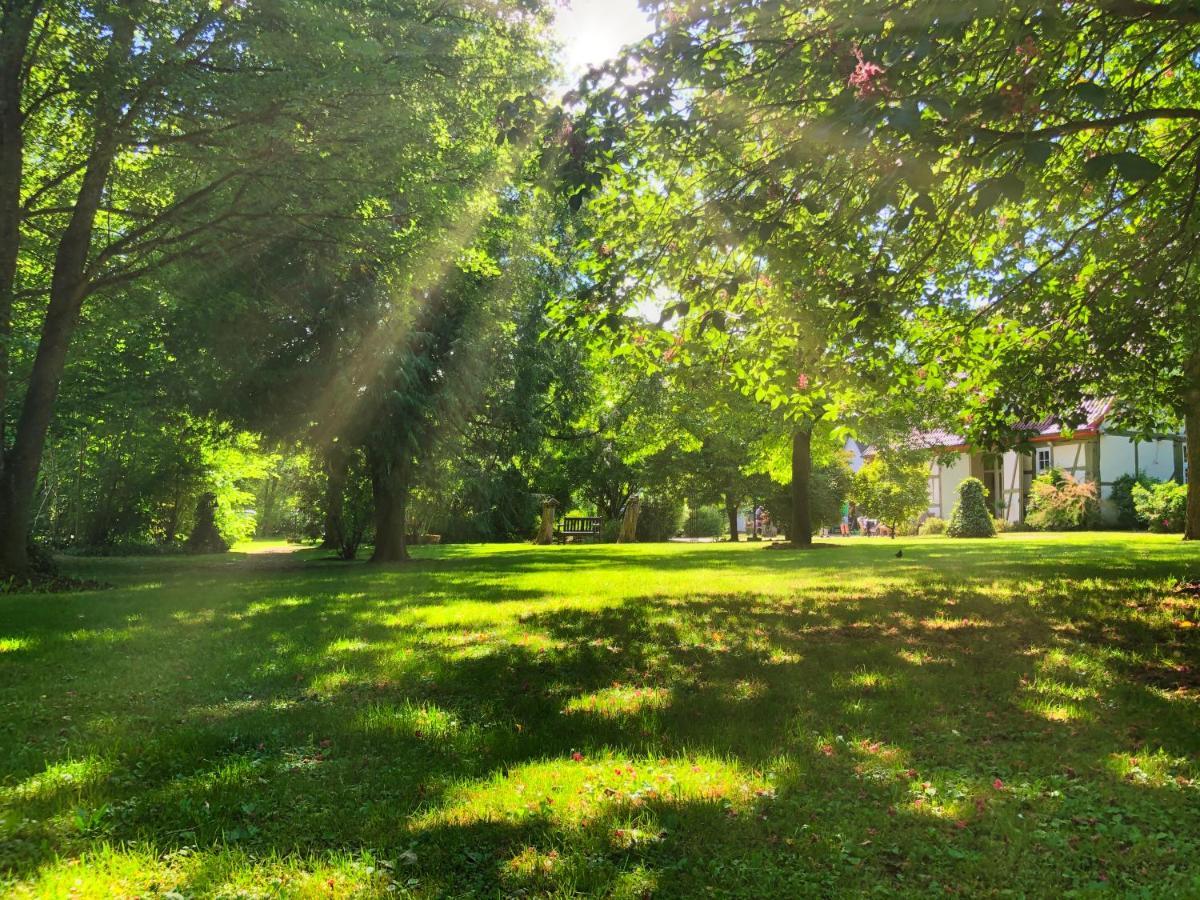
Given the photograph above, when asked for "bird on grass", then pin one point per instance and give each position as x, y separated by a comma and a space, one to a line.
899, 554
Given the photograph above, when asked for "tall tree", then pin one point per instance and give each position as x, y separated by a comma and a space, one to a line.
1040, 158
140, 133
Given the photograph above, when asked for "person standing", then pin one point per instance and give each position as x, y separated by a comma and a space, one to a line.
845, 518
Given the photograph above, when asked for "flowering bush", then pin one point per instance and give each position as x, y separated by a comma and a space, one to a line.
1163, 507
1057, 502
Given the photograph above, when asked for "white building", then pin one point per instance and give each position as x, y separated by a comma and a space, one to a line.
1093, 452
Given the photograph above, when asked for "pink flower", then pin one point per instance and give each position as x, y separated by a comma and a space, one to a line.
867, 77
578, 757
998, 784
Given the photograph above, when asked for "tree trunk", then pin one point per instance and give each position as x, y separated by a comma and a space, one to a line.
546, 531
1191, 530
801, 530
628, 534
334, 531
731, 510
16, 24
390, 486
68, 287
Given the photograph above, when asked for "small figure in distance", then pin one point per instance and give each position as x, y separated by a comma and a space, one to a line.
845, 518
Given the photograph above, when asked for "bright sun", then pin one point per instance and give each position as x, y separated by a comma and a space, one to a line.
592, 31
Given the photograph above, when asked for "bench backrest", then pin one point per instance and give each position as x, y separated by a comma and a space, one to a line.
580, 524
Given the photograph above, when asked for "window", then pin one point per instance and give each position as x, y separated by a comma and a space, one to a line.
1044, 460
993, 482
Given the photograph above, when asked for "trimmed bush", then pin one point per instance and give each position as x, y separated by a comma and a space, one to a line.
971, 518
933, 525
1122, 499
1057, 502
1163, 507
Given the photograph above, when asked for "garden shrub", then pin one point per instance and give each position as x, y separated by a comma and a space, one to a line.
705, 522
933, 525
1057, 502
660, 519
971, 517
1122, 499
610, 531
1163, 506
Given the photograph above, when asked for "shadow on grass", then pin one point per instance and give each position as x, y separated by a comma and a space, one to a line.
789, 742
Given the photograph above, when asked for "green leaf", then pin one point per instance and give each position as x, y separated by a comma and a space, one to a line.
1092, 94
1011, 186
1098, 167
1135, 167
1038, 153
925, 204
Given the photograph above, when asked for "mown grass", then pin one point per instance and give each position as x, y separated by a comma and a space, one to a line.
1013, 716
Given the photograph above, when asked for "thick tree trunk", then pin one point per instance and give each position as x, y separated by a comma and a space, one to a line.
546, 529
628, 533
16, 23
1191, 531
801, 530
334, 531
390, 486
731, 510
68, 287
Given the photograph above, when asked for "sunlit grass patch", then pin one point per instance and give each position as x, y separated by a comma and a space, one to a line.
619, 700
72, 776
864, 680
421, 721
13, 644
577, 791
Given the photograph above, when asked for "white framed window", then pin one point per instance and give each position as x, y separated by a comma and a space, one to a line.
1044, 460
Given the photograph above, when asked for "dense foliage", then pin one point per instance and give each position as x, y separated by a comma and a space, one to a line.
1162, 506
350, 269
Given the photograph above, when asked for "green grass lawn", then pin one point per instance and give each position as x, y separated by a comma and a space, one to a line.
1014, 716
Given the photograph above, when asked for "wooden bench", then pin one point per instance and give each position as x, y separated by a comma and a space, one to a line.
579, 528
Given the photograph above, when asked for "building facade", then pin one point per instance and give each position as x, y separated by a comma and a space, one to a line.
1091, 452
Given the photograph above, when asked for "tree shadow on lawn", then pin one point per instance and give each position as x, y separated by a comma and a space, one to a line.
975, 559
816, 724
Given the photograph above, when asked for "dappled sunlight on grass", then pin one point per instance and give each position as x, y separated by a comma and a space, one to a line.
983, 716
631, 791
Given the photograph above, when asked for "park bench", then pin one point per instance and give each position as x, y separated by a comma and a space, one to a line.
578, 528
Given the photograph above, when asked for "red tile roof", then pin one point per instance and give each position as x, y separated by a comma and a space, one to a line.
1049, 429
